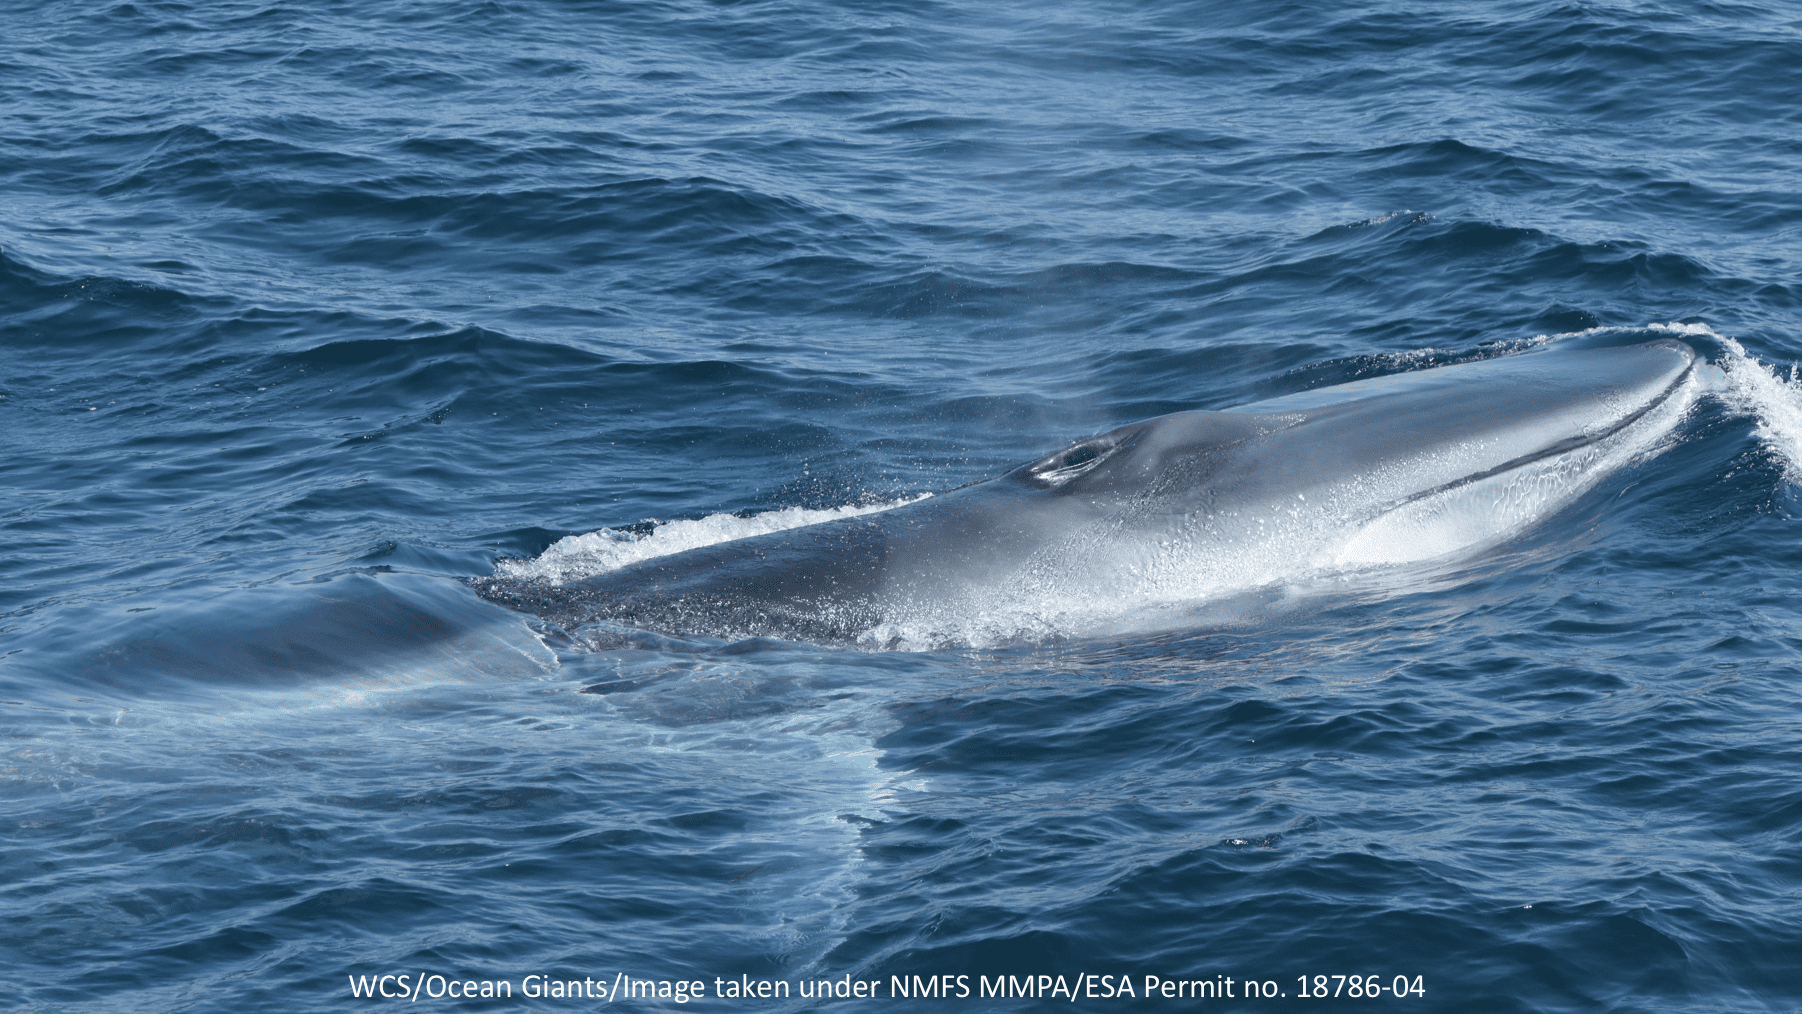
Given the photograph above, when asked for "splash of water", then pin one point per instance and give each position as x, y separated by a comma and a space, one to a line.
1760, 392
582, 556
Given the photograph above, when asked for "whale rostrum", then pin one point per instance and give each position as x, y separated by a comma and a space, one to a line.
1152, 516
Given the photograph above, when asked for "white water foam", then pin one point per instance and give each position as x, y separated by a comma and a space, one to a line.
582, 556
1752, 389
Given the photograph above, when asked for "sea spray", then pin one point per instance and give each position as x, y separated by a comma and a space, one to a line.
598, 552
1760, 392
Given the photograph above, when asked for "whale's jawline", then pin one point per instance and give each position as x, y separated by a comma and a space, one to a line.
1565, 446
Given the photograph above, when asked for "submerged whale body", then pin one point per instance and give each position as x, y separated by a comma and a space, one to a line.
1142, 520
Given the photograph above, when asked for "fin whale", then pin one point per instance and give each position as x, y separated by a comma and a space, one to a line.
1172, 510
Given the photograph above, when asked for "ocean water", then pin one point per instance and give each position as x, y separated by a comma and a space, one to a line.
313, 314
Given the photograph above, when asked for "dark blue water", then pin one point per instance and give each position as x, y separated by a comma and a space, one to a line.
309, 313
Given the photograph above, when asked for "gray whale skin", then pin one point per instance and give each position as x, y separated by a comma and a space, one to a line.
1173, 509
